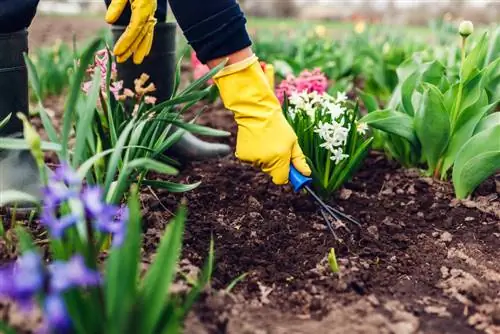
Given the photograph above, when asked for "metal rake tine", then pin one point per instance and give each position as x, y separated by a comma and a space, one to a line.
343, 215
329, 224
332, 213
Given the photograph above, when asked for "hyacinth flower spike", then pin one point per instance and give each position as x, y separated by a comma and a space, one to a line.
330, 214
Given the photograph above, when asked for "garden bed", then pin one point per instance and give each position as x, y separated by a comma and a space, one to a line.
422, 260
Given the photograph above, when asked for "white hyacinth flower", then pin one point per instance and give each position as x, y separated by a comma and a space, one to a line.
341, 97
328, 145
362, 128
296, 99
335, 110
338, 155
339, 136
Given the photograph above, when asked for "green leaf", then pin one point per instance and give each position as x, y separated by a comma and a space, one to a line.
407, 90
21, 144
122, 270
116, 156
25, 240
394, 122
193, 96
472, 91
369, 101
156, 284
432, 125
15, 196
234, 282
201, 130
6, 329
35, 85
171, 186
6, 120
488, 122
475, 59
332, 261
84, 124
206, 275
75, 92
150, 164
464, 129
202, 80
476, 161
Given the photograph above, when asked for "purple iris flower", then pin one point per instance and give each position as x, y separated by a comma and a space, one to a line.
55, 314
65, 174
107, 218
57, 226
23, 279
56, 193
74, 273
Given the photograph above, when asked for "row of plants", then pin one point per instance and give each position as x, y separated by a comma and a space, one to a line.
428, 107
88, 278
434, 108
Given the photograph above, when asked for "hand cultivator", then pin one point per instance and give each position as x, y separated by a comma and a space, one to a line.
331, 215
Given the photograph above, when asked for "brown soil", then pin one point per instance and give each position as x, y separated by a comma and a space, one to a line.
45, 30
422, 262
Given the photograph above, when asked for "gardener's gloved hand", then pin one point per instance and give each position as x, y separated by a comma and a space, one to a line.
138, 37
265, 138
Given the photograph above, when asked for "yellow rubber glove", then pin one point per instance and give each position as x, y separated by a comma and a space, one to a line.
265, 139
138, 37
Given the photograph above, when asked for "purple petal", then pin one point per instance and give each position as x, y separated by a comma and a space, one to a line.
56, 315
65, 174
57, 226
92, 200
74, 273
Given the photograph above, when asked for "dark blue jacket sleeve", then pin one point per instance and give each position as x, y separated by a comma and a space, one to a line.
214, 28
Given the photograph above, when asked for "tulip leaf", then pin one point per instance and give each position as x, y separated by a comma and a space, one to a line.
432, 125
369, 101
472, 91
476, 161
407, 90
476, 56
487, 122
394, 122
464, 129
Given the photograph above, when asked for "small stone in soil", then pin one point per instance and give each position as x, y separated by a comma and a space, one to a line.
373, 231
446, 237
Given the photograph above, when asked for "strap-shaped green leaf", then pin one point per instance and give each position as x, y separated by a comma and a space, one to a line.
476, 161
122, 269
432, 125
394, 122
156, 284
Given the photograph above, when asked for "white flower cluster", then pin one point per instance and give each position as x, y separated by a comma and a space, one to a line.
333, 125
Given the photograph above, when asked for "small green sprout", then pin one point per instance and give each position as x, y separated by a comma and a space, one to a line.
332, 261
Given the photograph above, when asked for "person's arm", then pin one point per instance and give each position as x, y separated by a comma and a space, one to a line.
216, 31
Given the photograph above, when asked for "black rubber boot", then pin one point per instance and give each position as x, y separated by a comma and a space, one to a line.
160, 65
18, 170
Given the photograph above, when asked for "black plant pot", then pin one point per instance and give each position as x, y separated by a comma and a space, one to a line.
159, 64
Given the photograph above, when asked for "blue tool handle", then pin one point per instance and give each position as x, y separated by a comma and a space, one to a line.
298, 180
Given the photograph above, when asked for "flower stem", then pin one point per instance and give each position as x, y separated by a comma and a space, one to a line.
437, 170
327, 169
456, 111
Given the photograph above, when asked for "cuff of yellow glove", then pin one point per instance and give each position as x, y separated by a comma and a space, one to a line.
236, 67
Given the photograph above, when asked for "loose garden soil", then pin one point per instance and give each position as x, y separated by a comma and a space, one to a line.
422, 262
